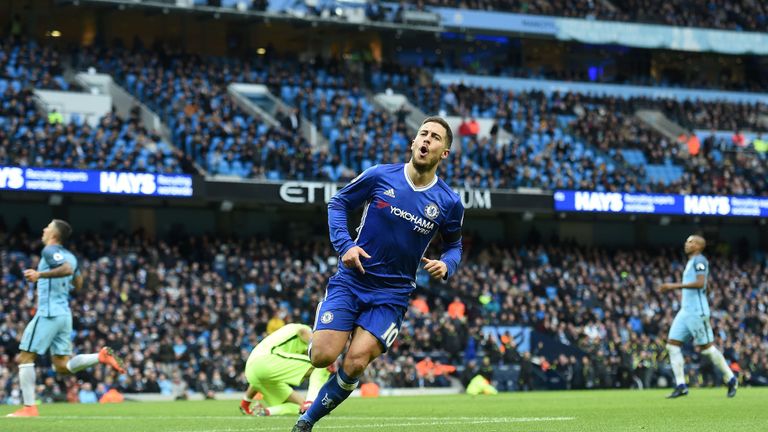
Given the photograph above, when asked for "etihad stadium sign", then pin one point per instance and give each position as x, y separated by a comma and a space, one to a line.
308, 192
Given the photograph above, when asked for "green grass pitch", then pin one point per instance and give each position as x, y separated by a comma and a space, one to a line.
704, 410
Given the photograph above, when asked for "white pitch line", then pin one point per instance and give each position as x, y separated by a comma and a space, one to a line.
392, 425
355, 418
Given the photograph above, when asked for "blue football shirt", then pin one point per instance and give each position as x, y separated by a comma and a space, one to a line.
695, 300
53, 293
399, 221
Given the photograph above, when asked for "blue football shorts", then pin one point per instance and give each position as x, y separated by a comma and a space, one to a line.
44, 333
343, 310
691, 326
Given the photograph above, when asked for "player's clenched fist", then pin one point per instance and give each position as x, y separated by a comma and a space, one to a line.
436, 268
31, 275
351, 258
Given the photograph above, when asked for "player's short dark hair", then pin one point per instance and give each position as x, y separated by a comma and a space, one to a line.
63, 228
441, 121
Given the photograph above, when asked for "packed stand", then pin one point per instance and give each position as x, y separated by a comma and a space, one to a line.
579, 141
359, 134
29, 137
740, 15
727, 116
185, 312
470, 101
26, 64
566, 8
551, 147
542, 153
606, 303
190, 94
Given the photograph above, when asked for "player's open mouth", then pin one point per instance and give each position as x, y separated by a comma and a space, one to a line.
423, 150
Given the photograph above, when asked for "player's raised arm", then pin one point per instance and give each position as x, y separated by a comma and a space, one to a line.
351, 196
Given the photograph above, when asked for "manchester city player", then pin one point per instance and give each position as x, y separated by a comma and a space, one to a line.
404, 207
51, 326
692, 320
276, 365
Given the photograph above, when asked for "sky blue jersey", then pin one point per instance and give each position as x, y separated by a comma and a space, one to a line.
53, 294
399, 221
695, 300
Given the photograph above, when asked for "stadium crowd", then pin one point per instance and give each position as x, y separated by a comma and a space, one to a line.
740, 15
216, 134
562, 140
550, 124
185, 312
30, 137
190, 95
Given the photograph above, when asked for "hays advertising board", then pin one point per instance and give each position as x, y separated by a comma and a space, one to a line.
94, 182
661, 204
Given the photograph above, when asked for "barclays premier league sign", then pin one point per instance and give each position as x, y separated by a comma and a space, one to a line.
95, 182
661, 204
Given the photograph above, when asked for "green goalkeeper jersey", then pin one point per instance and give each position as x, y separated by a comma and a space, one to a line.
285, 342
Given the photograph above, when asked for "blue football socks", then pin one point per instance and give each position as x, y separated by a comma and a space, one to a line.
333, 393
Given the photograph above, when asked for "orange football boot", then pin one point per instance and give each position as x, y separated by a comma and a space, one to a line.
26, 411
107, 356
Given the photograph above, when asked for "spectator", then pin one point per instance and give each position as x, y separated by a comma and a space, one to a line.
291, 121
179, 387
419, 305
457, 309
761, 146
55, 117
150, 382
469, 127
275, 323
52, 391
165, 385
526, 372
86, 394
738, 139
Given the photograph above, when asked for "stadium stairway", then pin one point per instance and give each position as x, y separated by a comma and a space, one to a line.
659, 122
391, 103
258, 101
663, 173
123, 102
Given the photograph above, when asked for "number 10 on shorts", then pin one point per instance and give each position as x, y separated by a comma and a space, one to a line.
390, 335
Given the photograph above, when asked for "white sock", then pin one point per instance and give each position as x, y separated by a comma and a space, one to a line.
82, 361
719, 361
677, 362
27, 382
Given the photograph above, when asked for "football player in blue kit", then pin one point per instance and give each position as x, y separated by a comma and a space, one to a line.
404, 207
692, 320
